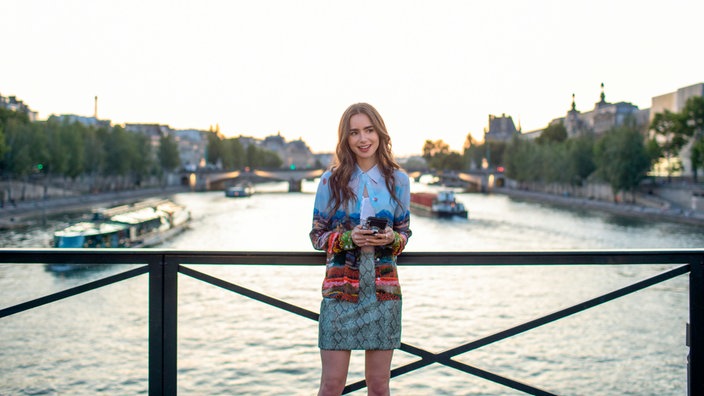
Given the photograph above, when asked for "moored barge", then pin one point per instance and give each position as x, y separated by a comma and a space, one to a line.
440, 204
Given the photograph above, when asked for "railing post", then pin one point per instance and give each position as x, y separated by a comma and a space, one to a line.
163, 295
695, 333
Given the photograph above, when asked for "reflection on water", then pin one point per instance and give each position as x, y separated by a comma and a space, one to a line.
228, 344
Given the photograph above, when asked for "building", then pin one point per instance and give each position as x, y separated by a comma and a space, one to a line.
295, 154
675, 102
603, 117
153, 132
192, 148
83, 120
12, 103
192, 143
500, 129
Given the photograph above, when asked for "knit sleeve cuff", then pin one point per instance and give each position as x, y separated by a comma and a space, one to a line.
339, 242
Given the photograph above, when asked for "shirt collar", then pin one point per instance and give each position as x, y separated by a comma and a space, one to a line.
374, 174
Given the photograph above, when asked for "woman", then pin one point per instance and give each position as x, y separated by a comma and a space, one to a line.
361, 307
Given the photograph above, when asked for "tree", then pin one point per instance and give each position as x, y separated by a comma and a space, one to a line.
94, 154
697, 157
236, 150
555, 164
520, 160
432, 149
580, 151
75, 143
473, 153
169, 158
554, 133
214, 152
621, 159
119, 154
142, 162
3, 146
693, 126
495, 153
669, 131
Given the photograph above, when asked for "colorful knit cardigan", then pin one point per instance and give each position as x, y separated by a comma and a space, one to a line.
332, 233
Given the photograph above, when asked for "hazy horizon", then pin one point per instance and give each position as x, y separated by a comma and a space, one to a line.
259, 68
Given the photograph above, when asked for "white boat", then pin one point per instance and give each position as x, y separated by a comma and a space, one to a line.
142, 224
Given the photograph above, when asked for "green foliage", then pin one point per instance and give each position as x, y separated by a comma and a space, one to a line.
259, 158
72, 150
693, 125
671, 134
521, 157
473, 152
693, 116
554, 133
439, 156
214, 152
3, 145
21, 155
697, 157
495, 153
528, 161
622, 158
168, 153
432, 149
580, 153
7, 115
231, 154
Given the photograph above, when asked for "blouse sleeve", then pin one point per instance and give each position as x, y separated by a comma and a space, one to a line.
323, 235
402, 215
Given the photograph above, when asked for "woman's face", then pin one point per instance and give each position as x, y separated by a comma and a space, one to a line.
363, 140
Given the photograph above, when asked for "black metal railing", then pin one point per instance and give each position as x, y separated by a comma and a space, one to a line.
163, 267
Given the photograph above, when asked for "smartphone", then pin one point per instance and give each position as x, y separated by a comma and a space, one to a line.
376, 224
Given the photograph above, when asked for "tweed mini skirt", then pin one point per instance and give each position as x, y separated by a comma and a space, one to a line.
367, 324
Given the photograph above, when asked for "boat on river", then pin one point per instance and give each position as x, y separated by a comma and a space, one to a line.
440, 204
239, 191
142, 224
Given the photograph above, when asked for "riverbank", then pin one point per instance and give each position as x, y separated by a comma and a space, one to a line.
674, 214
27, 213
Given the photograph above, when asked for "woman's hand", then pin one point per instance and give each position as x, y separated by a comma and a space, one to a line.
365, 237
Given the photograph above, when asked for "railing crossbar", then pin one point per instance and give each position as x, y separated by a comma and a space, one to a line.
248, 293
164, 266
445, 357
493, 377
73, 291
574, 309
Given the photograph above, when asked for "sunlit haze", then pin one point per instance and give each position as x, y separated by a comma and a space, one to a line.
434, 69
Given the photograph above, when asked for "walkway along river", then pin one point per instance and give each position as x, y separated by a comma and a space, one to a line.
228, 344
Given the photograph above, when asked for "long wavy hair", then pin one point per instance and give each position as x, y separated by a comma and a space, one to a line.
345, 160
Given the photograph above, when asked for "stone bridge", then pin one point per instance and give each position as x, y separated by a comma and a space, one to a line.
475, 181
479, 181
220, 180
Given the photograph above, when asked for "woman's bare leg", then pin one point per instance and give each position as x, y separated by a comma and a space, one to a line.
334, 376
377, 372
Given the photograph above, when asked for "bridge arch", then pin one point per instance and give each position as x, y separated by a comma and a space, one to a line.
220, 180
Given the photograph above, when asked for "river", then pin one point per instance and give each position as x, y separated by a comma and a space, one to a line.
96, 343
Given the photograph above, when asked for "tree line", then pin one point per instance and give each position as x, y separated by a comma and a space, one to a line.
231, 153
103, 157
622, 157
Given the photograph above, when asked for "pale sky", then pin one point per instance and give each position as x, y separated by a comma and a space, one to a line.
433, 69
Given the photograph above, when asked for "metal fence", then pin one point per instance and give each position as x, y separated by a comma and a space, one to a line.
163, 267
